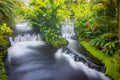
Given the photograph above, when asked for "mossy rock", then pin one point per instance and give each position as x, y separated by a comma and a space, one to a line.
59, 42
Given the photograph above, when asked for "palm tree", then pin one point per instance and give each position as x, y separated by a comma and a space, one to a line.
6, 12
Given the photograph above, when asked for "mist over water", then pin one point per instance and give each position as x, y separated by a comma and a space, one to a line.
30, 58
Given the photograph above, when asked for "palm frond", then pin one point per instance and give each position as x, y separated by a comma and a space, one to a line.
6, 11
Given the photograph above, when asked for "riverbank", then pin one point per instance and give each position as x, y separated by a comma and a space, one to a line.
112, 63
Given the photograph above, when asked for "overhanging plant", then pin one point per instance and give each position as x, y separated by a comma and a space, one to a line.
45, 15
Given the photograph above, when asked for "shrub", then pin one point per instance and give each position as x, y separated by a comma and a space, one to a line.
45, 15
4, 31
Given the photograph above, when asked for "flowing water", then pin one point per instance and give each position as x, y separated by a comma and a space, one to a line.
68, 32
30, 58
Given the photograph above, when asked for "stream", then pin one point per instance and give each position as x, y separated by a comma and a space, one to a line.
30, 58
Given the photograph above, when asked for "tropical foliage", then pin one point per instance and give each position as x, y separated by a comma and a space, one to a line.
46, 16
93, 20
6, 19
95, 23
111, 70
4, 30
18, 11
6, 12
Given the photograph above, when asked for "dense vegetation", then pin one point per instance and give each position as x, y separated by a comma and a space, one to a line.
112, 64
45, 15
6, 19
97, 24
4, 30
96, 21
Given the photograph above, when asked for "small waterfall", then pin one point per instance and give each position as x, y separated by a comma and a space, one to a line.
85, 73
29, 58
24, 38
67, 30
22, 27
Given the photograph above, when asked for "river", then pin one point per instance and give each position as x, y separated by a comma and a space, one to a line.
30, 58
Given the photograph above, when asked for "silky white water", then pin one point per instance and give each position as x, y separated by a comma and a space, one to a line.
24, 38
67, 30
30, 58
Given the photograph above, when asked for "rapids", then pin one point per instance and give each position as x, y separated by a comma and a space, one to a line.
30, 58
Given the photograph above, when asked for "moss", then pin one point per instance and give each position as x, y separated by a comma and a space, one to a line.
112, 63
59, 42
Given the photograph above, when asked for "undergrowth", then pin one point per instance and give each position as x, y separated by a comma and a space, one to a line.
112, 63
